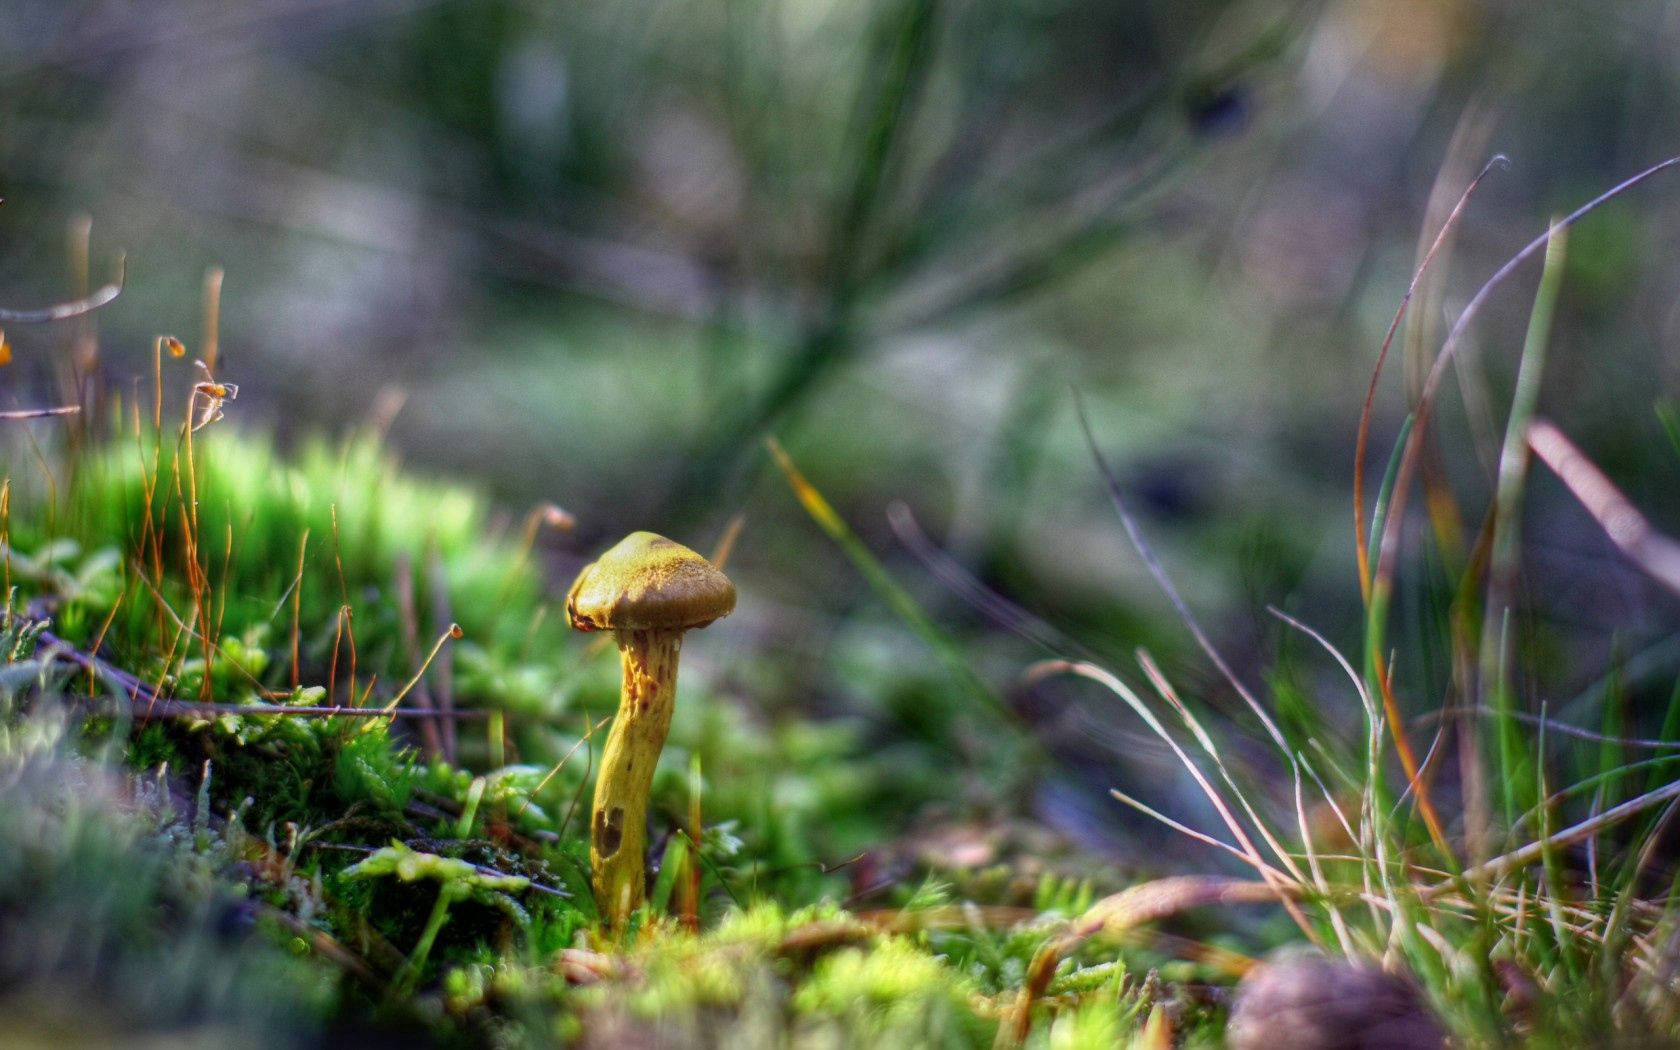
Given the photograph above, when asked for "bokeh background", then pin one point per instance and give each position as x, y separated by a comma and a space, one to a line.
594, 254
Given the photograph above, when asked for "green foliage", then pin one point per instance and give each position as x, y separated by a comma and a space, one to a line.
483, 873
295, 542
455, 896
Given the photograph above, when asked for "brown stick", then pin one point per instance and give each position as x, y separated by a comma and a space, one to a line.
149, 703
74, 308
40, 413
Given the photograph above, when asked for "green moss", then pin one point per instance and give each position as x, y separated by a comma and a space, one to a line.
895, 992
458, 886
352, 521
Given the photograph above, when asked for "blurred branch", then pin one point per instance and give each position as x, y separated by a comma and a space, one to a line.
904, 51
74, 308
906, 56
1074, 173
40, 413
1035, 268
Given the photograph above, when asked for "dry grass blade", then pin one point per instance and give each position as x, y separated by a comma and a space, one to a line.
1656, 554
1165, 690
1165, 583
1536, 850
1284, 890
1183, 829
726, 542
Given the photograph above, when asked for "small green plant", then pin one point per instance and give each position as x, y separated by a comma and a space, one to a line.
456, 879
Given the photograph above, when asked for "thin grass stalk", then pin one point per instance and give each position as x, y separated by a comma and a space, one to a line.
1363, 435
1167, 693
1144, 552
1389, 543
1377, 673
1495, 661
1390, 535
880, 580
1370, 894
1286, 895
1338, 924
1189, 832
1552, 867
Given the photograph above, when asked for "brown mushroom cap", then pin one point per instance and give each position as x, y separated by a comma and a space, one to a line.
647, 582
1306, 1001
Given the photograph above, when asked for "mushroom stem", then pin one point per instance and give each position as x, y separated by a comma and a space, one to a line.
618, 816
647, 590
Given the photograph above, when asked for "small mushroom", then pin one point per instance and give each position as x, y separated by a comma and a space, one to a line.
1307, 1001
647, 590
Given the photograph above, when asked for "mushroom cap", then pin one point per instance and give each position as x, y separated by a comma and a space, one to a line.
647, 582
1307, 1001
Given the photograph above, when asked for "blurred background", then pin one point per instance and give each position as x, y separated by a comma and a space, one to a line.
594, 254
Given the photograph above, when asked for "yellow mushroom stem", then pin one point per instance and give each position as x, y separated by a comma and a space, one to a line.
618, 817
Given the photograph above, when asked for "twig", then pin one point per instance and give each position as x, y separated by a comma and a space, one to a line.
40, 413
152, 704
74, 308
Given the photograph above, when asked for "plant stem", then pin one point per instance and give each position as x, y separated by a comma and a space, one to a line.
403, 982
618, 817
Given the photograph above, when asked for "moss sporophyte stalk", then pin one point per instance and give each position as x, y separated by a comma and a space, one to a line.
647, 590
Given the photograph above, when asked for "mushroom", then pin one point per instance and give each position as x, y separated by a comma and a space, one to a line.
1307, 1001
647, 590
